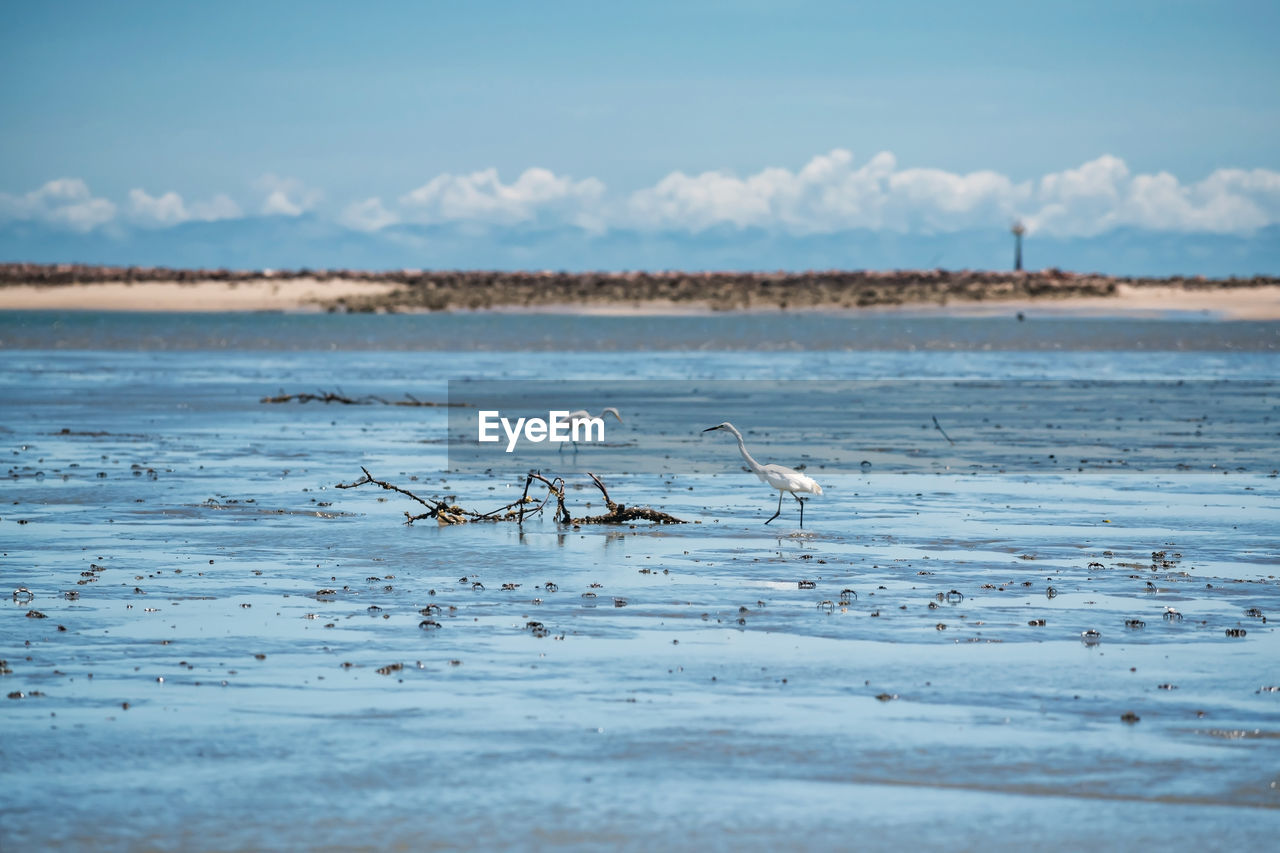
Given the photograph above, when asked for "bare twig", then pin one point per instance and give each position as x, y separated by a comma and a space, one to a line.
369, 478
607, 502
524, 497
939, 428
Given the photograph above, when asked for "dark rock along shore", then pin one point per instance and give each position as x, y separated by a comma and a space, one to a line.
443, 289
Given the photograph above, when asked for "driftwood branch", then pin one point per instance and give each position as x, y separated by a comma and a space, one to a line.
446, 513
525, 507
367, 400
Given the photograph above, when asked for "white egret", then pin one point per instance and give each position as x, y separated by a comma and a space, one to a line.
582, 416
779, 477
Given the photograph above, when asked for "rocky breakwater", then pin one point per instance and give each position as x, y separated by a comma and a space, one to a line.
725, 290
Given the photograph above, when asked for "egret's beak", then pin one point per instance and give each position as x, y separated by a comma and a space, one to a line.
709, 429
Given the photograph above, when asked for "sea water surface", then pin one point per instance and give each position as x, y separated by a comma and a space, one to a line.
207, 645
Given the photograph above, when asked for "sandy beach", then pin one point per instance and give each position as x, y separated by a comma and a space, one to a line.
254, 295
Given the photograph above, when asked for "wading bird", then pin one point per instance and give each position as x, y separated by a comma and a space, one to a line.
583, 417
779, 477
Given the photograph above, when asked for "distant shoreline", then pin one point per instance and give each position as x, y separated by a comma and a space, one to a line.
962, 293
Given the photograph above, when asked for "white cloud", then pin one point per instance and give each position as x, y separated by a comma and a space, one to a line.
367, 215
219, 207
64, 203
935, 200
831, 193
286, 196
1102, 195
482, 197
169, 209
828, 194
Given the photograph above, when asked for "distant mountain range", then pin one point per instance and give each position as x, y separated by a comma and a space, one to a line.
281, 242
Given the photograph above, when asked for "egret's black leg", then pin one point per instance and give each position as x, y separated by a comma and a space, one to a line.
800, 501
779, 512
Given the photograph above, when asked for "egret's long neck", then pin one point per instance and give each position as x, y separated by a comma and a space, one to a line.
751, 463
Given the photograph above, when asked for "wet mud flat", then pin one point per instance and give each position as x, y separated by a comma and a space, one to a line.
228, 652
438, 290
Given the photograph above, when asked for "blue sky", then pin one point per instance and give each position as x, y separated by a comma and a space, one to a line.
1079, 117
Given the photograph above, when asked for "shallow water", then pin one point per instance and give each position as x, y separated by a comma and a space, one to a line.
700, 696
497, 331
